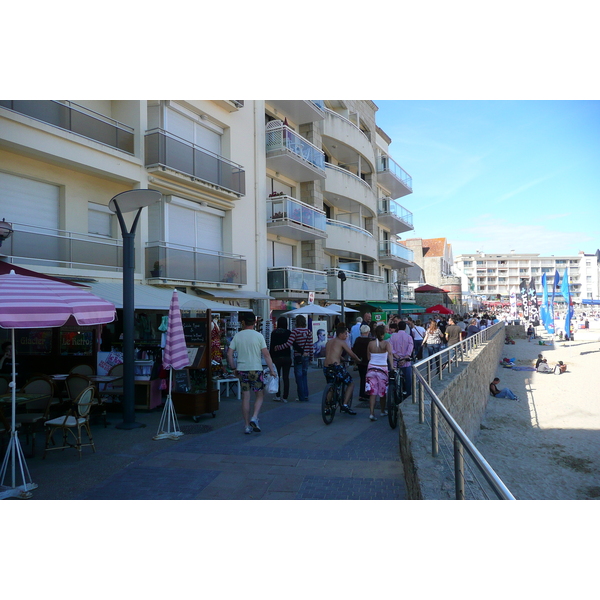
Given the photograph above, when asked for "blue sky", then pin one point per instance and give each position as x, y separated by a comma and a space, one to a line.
497, 176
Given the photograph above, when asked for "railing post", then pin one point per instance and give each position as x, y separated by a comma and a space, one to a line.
421, 404
434, 430
459, 470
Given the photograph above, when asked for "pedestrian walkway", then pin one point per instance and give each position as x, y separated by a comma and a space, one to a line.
295, 457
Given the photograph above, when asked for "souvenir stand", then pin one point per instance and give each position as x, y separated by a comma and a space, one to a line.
194, 393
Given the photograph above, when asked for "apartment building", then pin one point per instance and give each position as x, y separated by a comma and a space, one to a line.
491, 275
261, 200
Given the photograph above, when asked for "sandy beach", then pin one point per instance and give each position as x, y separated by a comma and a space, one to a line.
547, 445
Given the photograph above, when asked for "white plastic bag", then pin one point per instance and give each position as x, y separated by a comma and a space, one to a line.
272, 383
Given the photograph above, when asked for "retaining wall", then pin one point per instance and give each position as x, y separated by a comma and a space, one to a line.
465, 393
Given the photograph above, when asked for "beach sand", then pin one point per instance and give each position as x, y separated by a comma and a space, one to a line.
547, 445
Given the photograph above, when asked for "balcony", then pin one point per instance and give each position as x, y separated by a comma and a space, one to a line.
350, 241
283, 281
395, 255
167, 151
393, 215
168, 262
65, 249
293, 219
408, 293
300, 111
348, 191
76, 119
291, 155
346, 142
393, 177
230, 105
358, 287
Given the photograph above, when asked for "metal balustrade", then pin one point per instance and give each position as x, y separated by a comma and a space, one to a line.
60, 248
296, 279
168, 261
286, 208
282, 137
387, 206
447, 437
76, 119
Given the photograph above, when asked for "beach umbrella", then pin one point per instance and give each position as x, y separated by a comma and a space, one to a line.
37, 303
175, 357
310, 309
439, 308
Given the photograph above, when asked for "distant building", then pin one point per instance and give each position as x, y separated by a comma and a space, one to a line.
493, 275
434, 257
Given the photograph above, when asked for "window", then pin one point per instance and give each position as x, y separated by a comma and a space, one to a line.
100, 220
468, 263
280, 255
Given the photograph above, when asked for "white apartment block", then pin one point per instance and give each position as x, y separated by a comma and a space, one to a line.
260, 199
490, 275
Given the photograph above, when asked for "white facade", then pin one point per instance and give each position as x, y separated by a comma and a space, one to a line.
258, 198
491, 275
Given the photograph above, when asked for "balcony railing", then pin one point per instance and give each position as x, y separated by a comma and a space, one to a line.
187, 263
292, 218
392, 174
58, 248
388, 249
163, 149
76, 119
355, 275
282, 137
408, 293
294, 279
390, 209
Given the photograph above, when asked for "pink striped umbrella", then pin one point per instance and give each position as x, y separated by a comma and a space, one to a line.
175, 355
34, 302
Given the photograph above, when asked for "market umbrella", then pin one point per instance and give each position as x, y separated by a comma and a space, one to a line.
37, 303
338, 308
310, 309
175, 357
439, 308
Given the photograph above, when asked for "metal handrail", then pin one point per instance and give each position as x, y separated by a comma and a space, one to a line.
422, 382
347, 172
348, 121
332, 272
461, 441
349, 226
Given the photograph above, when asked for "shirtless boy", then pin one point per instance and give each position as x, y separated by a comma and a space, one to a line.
333, 368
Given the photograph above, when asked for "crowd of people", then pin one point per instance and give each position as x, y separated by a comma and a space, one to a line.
376, 348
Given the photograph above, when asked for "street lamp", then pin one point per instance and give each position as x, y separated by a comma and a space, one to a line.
399, 288
132, 200
342, 277
6, 230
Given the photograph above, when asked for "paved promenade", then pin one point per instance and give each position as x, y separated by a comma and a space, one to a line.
295, 457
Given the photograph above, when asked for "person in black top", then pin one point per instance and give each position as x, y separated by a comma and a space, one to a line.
282, 359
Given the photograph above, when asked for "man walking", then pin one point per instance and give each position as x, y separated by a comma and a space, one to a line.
251, 347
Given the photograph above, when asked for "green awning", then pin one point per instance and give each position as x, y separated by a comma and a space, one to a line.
393, 307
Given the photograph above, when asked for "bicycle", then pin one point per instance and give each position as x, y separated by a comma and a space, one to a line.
395, 395
333, 394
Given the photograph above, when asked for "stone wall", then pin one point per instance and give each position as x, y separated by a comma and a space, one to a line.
465, 393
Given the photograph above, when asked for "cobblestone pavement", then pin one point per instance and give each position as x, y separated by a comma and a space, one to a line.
295, 457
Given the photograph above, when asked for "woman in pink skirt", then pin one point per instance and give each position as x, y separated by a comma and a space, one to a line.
381, 361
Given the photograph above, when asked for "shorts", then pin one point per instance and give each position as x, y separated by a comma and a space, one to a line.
377, 381
251, 380
337, 373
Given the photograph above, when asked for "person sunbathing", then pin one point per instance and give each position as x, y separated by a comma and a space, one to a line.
504, 393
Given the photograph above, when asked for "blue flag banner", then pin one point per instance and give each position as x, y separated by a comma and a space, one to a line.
564, 290
545, 309
554, 288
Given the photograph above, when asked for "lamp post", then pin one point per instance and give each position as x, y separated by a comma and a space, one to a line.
132, 200
6, 230
342, 277
399, 288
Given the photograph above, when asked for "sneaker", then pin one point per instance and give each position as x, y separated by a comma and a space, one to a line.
383, 413
254, 424
284, 400
373, 417
248, 429
278, 399
348, 410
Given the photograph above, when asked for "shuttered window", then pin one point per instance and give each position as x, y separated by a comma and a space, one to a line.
195, 226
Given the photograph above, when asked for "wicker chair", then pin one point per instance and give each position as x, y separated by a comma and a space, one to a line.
77, 418
82, 370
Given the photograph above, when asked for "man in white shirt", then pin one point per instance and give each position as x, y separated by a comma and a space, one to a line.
355, 331
251, 347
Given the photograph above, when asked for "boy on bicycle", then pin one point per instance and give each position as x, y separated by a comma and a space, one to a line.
334, 370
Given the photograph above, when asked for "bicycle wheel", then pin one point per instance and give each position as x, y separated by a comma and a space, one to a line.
392, 404
328, 404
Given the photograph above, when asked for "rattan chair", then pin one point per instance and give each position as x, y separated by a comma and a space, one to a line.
77, 418
76, 383
82, 370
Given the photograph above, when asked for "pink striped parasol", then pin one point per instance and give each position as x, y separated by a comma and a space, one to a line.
175, 357
35, 302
